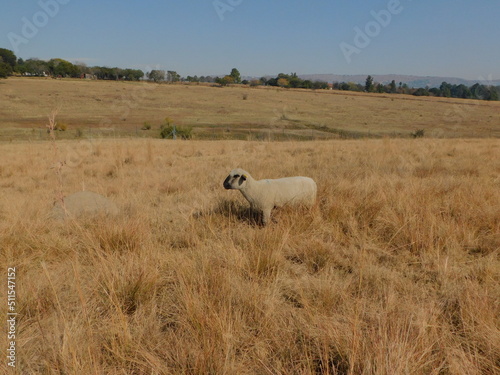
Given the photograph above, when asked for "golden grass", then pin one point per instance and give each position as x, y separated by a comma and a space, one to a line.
395, 271
121, 108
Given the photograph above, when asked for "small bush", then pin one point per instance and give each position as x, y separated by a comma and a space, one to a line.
167, 130
61, 126
146, 126
418, 133
180, 132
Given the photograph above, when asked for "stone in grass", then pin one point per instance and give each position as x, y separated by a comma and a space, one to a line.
84, 203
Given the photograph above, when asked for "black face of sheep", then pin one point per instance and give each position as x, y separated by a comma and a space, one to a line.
235, 180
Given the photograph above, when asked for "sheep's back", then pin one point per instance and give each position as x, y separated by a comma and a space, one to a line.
294, 190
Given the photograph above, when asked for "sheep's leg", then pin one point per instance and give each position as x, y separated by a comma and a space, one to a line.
266, 217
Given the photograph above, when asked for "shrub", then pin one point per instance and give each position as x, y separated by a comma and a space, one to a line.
61, 126
167, 130
418, 133
146, 126
181, 132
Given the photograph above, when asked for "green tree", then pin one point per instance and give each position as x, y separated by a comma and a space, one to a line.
156, 75
226, 80
172, 76
8, 57
63, 68
5, 69
445, 89
236, 75
392, 87
369, 84
34, 67
421, 92
282, 82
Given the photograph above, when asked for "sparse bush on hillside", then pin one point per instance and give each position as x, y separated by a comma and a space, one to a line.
169, 130
146, 126
177, 131
418, 133
61, 126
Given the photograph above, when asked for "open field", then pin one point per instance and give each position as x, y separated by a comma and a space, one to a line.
111, 108
395, 271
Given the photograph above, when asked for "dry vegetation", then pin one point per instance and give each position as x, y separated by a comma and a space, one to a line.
118, 108
395, 271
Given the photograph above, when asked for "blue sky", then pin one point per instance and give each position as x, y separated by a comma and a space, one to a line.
459, 38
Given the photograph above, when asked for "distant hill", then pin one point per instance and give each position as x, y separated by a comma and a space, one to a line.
411, 81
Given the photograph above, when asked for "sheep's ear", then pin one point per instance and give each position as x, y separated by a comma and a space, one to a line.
242, 179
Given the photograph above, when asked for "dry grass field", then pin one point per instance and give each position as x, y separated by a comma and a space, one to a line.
396, 270
121, 108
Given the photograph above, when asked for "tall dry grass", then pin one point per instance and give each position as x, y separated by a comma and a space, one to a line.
395, 271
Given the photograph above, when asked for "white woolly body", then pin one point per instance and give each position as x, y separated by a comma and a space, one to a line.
264, 195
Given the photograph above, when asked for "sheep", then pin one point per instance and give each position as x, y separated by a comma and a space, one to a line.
264, 195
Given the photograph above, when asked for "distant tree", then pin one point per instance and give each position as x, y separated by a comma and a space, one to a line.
295, 82
435, 91
392, 87
8, 57
344, 86
319, 85
272, 82
63, 68
307, 84
236, 75
369, 84
156, 75
445, 89
282, 82
5, 69
226, 80
172, 76
421, 92
34, 67
132, 74
461, 91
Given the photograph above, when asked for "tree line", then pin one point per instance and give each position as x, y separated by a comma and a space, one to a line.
292, 81
446, 90
10, 64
